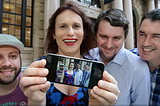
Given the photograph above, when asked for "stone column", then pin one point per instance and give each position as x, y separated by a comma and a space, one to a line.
117, 4
66, 62
37, 39
157, 4
150, 5
49, 8
129, 44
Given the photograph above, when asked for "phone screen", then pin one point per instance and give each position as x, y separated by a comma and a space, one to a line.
73, 71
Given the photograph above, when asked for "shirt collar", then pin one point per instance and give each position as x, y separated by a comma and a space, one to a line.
118, 59
156, 71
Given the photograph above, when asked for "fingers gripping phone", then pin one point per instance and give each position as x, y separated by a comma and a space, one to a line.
73, 71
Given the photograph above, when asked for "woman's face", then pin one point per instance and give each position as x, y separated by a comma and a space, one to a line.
71, 66
69, 33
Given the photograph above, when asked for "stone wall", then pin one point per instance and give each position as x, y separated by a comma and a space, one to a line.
38, 29
31, 54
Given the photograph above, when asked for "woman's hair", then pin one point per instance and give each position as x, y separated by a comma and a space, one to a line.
50, 43
70, 64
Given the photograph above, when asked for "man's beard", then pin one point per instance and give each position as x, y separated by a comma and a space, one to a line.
16, 73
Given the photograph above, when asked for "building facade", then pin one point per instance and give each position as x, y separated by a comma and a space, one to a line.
28, 20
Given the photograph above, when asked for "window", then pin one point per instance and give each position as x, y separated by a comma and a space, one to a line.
95, 3
16, 18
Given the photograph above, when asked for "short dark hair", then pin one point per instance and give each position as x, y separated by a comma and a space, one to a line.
152, 15
51, 45
115, 17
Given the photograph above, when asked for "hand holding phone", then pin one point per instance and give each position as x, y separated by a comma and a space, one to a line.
73, 71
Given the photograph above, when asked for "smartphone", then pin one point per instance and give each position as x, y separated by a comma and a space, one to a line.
73, 71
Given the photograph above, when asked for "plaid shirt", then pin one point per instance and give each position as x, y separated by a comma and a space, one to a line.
155, 84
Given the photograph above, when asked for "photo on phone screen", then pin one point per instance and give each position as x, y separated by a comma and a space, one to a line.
73, 71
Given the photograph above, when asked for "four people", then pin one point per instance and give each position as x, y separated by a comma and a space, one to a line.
149, 50
131, 73
10, 71
68, 34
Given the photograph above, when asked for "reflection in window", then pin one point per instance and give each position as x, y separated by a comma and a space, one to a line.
27, 37
95, 3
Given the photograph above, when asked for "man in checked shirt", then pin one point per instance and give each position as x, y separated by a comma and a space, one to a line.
149, 50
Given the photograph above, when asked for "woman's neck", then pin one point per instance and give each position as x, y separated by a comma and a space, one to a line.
77, 55
70, 69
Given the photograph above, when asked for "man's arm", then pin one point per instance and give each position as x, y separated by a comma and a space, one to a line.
141, 86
